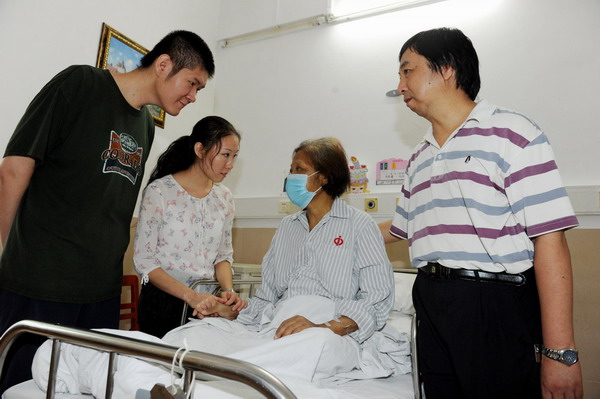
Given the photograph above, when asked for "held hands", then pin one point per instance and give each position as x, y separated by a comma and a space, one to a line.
206, 305
203, 305
560, 380
213, 306
232, 299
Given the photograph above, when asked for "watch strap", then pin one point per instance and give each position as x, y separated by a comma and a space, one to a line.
557, 355
551, 353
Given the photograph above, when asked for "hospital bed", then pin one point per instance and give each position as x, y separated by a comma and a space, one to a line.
235, 377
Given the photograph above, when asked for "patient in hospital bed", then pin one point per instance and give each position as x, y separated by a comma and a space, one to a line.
328, 288
326, 271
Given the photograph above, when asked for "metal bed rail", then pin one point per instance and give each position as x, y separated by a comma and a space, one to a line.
416, 378
220, 366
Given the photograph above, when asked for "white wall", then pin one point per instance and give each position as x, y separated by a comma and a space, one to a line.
41, 37
233, 19
539, 57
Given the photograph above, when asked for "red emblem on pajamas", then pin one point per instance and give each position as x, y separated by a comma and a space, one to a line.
338, 241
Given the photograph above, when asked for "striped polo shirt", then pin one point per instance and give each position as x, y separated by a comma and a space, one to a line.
342, 258
476, 202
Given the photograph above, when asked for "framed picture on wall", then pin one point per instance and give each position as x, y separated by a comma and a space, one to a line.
120, 54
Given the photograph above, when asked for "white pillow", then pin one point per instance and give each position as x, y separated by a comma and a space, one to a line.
403, 283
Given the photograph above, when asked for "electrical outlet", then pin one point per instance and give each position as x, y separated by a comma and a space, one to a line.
371, 205
284, 206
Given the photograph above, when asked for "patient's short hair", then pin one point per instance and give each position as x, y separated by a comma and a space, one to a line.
328, 157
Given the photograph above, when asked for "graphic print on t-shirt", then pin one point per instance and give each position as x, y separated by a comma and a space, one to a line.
123, 156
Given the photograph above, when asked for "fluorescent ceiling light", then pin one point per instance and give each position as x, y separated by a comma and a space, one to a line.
349, 10
274, 31
338, 11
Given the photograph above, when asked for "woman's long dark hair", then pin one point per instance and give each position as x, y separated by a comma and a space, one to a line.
181, 155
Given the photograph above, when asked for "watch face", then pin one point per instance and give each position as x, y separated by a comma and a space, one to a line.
569, 357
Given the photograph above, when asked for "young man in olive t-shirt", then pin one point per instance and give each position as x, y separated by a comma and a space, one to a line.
69, 182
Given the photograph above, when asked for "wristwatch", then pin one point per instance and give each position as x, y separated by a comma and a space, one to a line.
567, 356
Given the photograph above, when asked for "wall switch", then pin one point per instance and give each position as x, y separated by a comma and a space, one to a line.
284, 206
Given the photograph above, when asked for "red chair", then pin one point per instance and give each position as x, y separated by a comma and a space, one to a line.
131, 308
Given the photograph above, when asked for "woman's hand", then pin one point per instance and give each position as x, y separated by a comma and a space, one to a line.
203, 304
293, 325
232, 299
215, 307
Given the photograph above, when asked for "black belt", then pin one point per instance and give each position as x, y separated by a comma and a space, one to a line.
438, 271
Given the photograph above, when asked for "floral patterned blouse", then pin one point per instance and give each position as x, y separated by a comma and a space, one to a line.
184, 235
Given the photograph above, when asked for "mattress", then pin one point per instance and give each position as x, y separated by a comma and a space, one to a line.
397, 387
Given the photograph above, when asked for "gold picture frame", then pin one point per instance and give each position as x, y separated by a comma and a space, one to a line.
120, 54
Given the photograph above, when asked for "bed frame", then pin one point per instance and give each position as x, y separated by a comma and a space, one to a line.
252, 283
219, 366
416, 377
194, 362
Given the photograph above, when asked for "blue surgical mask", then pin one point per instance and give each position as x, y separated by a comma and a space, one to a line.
295, 187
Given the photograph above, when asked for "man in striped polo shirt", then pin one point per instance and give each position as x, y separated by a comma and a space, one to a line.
482, 203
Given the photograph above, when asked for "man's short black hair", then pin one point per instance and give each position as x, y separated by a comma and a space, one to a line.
186, 49
448, 47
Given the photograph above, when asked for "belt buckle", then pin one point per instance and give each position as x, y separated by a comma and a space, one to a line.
433, 269
439, 271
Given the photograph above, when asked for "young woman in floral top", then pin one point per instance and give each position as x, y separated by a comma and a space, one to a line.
184, 226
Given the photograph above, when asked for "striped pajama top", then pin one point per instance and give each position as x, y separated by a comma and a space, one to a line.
343, 258
476, 202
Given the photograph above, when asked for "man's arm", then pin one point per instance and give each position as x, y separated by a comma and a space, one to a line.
385, 227
554, 278
15, 174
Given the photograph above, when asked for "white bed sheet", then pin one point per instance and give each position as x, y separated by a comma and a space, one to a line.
398, 387
29, 390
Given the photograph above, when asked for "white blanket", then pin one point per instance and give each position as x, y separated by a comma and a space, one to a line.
309, 362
